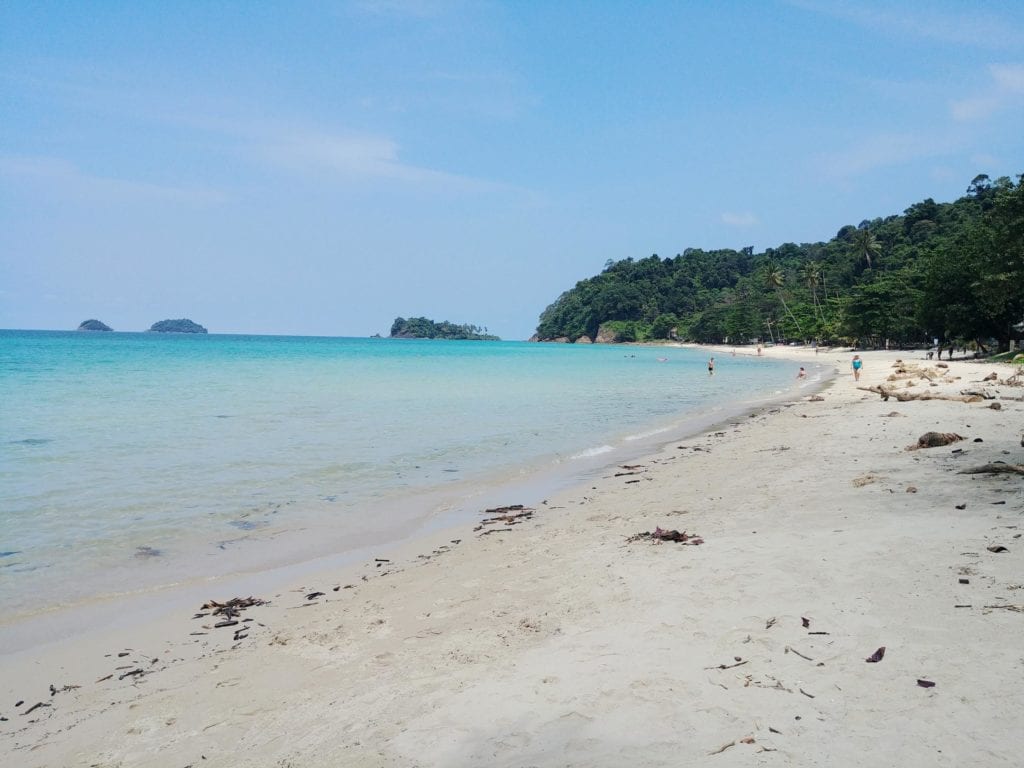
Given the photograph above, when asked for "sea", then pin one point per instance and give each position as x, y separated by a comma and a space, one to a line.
131, 462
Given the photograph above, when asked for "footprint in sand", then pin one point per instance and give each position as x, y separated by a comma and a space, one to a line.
378, 627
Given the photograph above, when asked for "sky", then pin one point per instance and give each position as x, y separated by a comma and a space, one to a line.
323, 167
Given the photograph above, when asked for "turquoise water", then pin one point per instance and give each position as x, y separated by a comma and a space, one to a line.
128, 461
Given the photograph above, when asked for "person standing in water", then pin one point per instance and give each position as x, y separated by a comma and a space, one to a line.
857, 365
711, 367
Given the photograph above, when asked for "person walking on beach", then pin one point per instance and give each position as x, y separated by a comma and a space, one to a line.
711, 367
857, 365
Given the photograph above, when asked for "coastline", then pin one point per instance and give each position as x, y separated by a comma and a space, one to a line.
271, 463
272, 548
556, 642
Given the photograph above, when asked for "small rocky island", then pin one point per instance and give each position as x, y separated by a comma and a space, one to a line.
183, 325
94, 325
422, 328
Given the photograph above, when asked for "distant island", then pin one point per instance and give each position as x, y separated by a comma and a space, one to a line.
94, 325
422, 328
177, 326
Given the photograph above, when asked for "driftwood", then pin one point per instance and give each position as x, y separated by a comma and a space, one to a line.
660, 534
795, 651
984, 394
886, 393
935, 440
994, 469
229, 610
512, 515
913, 375
1016, 380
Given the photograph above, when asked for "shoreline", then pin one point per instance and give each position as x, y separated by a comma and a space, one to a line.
439, 507
557, 641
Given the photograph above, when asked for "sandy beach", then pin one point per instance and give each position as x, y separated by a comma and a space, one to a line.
549, 636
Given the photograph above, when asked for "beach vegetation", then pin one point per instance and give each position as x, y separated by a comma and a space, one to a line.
948, 271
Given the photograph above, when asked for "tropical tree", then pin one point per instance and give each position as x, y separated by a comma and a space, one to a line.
775, 279
812, 277
865, 245
952, 269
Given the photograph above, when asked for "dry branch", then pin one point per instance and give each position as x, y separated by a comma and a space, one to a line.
994, 469
886, 393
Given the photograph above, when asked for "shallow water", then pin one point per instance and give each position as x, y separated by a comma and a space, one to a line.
129, 461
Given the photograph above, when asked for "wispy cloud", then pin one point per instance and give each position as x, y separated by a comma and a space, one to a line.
743, 220
64, 178
971, 27
418, 9
881, 151
985, 160
1006, 89
355, 157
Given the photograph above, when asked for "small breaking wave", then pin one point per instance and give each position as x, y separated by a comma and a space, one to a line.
645, 435
593, 452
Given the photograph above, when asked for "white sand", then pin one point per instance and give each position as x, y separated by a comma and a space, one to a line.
557, 643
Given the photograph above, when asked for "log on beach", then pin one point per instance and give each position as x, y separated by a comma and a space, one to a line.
994, 469
904, 396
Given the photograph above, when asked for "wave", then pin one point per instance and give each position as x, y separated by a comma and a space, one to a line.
645, 435
597, 451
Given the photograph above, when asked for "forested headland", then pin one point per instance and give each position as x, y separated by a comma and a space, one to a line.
952, 271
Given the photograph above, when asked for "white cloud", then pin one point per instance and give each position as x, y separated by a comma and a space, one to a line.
1009, 77
355, 155
985, 160
973, 27
66, 179
882, 151
743, 220
1005, 90
357, 158
944, 173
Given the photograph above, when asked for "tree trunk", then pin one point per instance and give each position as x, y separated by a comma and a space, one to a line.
791, 315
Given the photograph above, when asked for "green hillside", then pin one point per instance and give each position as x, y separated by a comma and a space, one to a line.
954, 271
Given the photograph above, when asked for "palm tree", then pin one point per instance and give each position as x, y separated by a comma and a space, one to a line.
865, 245
811, 275
775, 278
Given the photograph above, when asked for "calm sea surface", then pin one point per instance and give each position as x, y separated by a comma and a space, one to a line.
130, 460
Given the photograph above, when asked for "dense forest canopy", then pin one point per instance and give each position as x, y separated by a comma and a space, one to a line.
952, 271
422, 328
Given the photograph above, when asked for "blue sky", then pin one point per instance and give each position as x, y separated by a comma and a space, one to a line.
323, 167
